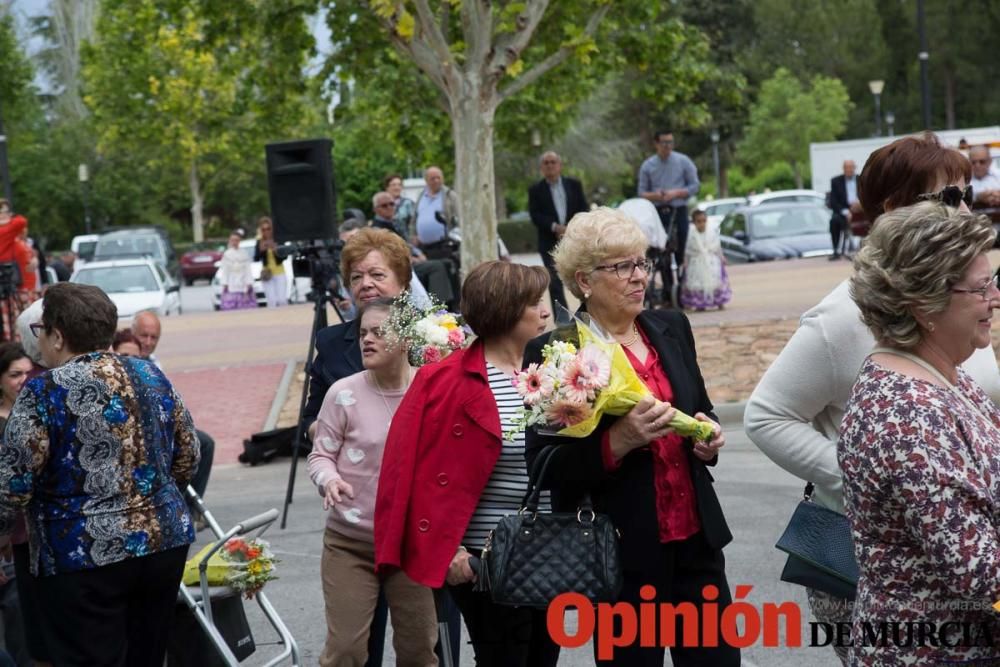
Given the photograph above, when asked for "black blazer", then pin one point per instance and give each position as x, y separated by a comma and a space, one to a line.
838, 196
627, 495
543, 210
337, 356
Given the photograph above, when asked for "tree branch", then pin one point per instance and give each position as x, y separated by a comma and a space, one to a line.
509, 47
553, 60
431, 31
477, 27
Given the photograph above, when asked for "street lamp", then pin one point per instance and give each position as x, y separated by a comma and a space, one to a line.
876, 88
536, 138
890, 120
714, 136
84, 175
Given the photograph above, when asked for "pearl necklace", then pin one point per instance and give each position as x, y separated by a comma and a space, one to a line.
635, 336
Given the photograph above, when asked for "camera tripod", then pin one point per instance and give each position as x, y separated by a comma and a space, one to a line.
321, 296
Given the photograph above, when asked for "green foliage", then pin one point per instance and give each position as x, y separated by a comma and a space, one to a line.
15, 71
180, 83
776, 176
788, 115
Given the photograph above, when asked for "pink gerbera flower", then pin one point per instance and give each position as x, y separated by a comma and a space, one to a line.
533, 385
595, 366
576, 384
566, 413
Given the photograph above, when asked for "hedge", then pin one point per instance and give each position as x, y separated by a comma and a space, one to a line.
520, 236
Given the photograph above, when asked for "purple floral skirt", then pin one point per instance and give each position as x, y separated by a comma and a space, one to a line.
700, 300
238, 300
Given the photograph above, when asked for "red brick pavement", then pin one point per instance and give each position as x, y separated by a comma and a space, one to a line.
229, 403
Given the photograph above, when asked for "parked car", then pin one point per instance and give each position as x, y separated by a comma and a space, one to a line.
133, 284
83, 247
716, 209
788, 197
776, 231
152, 242
297, 287
201, 261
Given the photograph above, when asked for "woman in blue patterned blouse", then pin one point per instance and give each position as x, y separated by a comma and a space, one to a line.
96, 452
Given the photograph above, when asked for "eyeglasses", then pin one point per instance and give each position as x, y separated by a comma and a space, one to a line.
385, 204
982, 291
950, 195
624, 270
35, 328
982, 161
666, 142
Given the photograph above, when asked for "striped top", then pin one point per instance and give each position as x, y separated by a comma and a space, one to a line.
505, 489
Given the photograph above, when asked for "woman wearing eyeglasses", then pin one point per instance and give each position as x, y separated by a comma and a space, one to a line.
920, 441
654, 484
794, 414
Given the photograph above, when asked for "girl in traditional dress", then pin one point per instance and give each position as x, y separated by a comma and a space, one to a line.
237, 277
706, 284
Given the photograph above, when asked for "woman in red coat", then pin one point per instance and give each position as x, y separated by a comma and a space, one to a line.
448, 475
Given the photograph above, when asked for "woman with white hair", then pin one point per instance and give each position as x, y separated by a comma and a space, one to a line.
652, 483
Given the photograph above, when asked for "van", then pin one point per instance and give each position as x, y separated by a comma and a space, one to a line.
83, 247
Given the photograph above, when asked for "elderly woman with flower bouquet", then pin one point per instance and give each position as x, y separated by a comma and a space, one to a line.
448, 474
653, 483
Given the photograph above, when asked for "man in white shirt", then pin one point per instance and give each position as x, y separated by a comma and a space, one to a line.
985, 183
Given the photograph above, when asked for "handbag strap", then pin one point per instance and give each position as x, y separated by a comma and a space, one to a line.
534, 491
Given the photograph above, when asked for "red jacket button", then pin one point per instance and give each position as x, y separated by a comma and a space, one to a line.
423, 525
457, 430
442, 479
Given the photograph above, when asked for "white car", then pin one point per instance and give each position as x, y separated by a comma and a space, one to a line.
788, 197
133, 285
716, 209
297, 287
83, 247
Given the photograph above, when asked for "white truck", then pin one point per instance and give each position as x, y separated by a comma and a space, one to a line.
826, 159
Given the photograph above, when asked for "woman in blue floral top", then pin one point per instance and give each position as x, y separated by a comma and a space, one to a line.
96, 452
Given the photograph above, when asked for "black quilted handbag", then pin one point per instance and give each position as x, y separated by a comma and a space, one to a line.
820, 550
531, 557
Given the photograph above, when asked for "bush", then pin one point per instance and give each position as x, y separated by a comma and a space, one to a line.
775, 176
520, 236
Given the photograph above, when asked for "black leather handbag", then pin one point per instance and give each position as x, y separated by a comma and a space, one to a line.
531, 557
820, 550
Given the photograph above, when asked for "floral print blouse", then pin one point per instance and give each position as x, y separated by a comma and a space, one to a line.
97, 452
921, 485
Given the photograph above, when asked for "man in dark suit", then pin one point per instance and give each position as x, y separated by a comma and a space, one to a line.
552, 203
843, 200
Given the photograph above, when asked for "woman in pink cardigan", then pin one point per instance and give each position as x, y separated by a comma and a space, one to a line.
345, 464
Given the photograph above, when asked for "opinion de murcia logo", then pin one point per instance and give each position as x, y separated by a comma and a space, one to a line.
740, 624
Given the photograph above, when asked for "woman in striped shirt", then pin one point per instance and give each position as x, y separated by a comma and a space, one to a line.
447, 473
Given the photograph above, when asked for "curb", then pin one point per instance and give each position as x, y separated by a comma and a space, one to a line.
280, 396
731, 414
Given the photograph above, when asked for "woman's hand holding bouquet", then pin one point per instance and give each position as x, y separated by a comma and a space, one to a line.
572, 389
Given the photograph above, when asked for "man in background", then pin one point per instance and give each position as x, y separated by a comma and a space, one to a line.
843, 202
668, 179
552, 203
985, 182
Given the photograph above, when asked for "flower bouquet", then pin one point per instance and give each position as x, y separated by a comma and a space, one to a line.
575, 385
430, 333
243, 565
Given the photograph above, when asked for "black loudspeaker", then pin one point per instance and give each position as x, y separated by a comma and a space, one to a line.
300, 184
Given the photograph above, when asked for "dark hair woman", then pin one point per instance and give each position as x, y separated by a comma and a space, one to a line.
96, 452
448, 475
